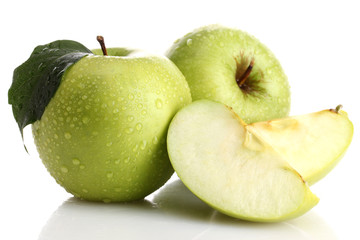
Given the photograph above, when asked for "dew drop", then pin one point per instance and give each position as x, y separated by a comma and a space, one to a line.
115, 110
129, 130
130, 118
158, 103
155, 140
143, 144
138, 126
109, 174
131, 96
85, 120
189, 42
67, 135
135, 148
82, 166
64, 169
109, 144
76, 161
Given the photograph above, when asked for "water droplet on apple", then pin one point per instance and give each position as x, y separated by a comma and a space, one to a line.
85, 190
84, 97
143, 112
76, 161
64, 169
82, 166
189, 42
85, 120
67, 135
155, 140
138, 126
109, 144
130, 118
143, 144
158, 103
109, 174
131, 96
129, 130
135, 148
115, 110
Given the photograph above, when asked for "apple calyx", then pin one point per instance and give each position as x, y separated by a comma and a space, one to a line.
101, 40
337, 109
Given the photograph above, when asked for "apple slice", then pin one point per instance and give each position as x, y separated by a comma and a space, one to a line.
231, 169
312, 144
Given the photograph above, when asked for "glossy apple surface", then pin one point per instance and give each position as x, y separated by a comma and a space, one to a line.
102, 136
232, 67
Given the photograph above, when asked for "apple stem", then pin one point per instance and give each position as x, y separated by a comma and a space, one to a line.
241, 80
337, 109
100, 39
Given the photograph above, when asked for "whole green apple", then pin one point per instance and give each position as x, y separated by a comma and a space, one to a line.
230, 66
102, 135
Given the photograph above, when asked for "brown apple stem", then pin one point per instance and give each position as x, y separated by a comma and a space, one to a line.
246, 74
100, 39
337, 109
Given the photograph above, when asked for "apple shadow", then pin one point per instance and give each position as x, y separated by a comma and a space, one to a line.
172, 212
175, 199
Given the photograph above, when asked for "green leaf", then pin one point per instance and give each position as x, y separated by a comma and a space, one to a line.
36, 80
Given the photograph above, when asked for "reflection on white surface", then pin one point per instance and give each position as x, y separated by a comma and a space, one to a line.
171, 213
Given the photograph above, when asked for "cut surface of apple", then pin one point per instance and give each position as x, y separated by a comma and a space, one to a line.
231, 169
312, 143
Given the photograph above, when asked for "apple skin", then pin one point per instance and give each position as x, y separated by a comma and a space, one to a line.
208, 59
103, 134
120, 52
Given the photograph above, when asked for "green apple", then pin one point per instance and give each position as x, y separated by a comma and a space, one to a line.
102, 135
227, 166
120, 52
312, 143
230, 66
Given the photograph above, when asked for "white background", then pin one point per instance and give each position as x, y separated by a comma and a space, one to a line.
317, 43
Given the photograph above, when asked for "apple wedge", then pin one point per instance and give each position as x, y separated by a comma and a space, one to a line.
233, 170
312, 143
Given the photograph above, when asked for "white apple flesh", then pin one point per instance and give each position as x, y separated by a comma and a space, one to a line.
231, 169
312, 143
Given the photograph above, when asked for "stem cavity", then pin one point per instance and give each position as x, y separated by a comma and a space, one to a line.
241, 77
